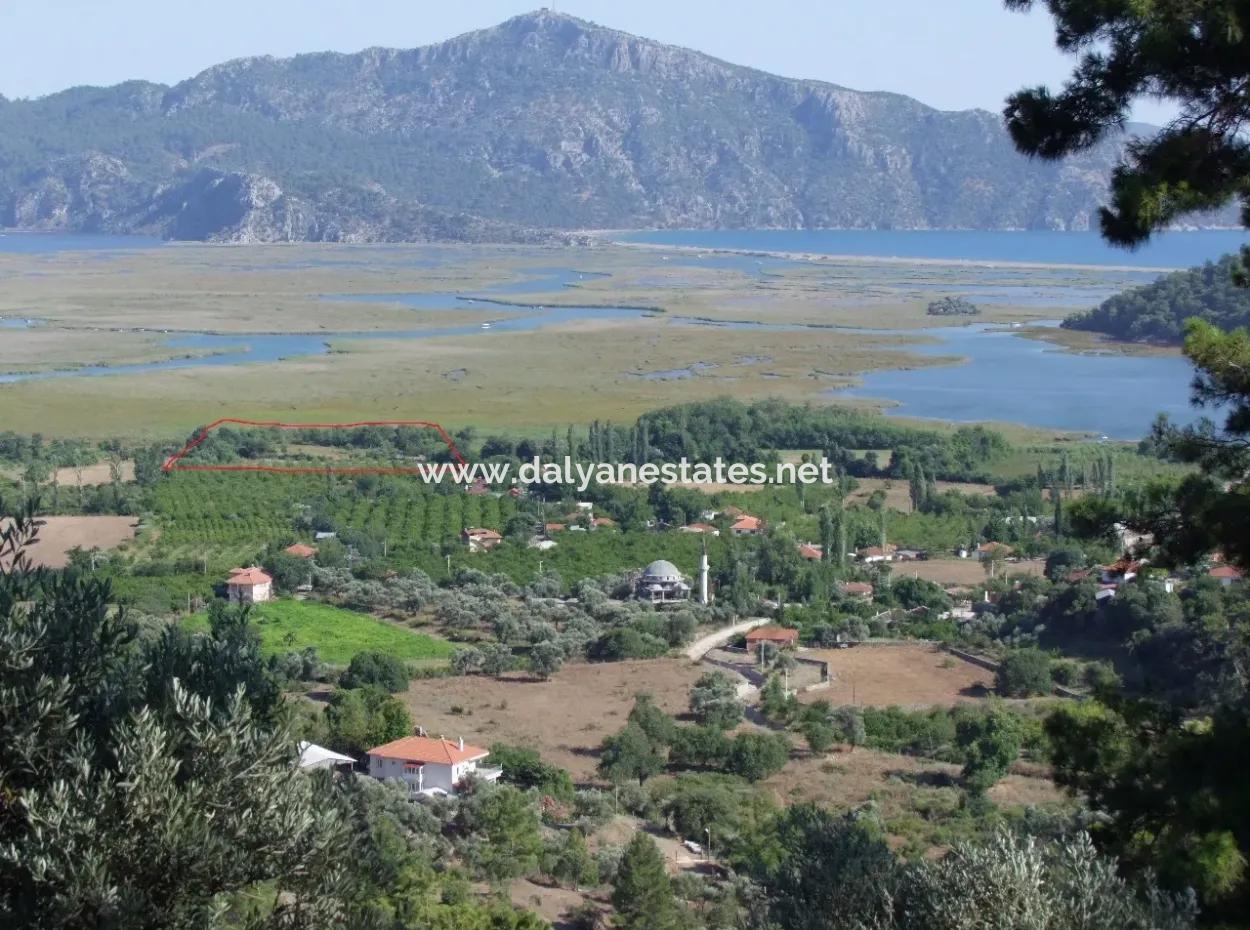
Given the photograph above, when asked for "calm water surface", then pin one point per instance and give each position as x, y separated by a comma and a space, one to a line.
1005, 376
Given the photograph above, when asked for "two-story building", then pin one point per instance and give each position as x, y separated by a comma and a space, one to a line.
431, 766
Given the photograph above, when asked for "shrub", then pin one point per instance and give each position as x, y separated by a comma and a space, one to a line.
376, 668
714, 701
757, 755
525, 768
626, 643
1023, 673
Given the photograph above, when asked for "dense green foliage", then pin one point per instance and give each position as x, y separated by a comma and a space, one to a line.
1194, 55
1157, 312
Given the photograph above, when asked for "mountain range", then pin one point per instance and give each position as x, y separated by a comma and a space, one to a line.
528, 131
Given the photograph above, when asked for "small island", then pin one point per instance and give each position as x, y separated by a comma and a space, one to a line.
953, 306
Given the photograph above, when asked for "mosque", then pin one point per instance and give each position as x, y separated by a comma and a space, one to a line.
662, 582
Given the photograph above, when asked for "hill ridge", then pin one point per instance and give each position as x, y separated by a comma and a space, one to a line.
528, 130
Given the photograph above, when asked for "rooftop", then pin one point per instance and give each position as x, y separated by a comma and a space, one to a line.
253, 575
773, 634
424, 749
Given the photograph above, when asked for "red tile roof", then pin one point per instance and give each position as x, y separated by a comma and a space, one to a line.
301, 550
747, 523
248, 576
555, 527
773, 634
477, 532
1225, 571
603, 521
810, 552
423, 749
857, 587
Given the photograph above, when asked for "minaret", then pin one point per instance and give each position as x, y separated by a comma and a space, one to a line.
703, 574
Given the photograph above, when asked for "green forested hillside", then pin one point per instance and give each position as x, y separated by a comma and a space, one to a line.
1157, 312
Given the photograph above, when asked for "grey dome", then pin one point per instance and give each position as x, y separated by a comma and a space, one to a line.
661, 570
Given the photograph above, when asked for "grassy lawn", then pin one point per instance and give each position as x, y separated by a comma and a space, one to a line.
337, 634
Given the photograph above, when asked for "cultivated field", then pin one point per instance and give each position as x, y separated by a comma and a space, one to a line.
565, 719
58, 535
963, 571
898, 494
907, 675
337, 634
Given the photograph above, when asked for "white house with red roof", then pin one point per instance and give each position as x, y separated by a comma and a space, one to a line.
249, 586
431, 766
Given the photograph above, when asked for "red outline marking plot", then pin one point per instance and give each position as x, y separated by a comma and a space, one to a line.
175, 463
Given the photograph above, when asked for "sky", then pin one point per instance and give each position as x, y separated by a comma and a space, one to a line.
951, 54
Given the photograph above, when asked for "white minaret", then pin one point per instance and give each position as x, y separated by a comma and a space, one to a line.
703, 575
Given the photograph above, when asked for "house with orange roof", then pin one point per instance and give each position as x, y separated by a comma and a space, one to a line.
431, 766
300, 551
811, 552
747, 525
860, 589
479, 539
779, 636
1226, 574
249, 586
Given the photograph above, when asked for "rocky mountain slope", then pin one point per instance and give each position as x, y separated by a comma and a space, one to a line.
542, 124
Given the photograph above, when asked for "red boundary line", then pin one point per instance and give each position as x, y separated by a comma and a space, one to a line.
174, 462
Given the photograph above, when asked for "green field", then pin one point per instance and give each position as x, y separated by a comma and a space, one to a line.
336, 634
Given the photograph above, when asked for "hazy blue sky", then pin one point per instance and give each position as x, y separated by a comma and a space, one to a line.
952, 55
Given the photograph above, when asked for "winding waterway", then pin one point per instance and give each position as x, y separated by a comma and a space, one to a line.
1003, 376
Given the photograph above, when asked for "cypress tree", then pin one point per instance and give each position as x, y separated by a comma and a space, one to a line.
642, 894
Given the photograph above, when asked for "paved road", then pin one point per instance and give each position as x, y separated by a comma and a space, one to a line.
700, 647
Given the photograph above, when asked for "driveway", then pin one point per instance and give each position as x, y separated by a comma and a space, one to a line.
700, 647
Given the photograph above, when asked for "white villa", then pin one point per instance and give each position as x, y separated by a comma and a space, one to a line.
430, 766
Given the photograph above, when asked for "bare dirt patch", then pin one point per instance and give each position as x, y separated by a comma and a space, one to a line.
846, 779
93, 475
58, 535
963, 571
565, 719
910, 676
